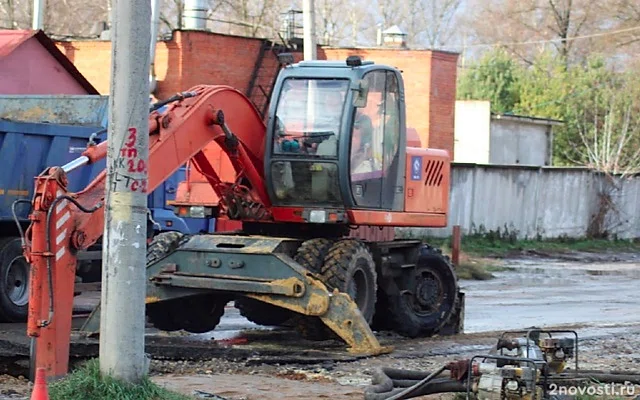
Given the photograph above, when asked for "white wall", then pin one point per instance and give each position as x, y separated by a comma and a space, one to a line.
535, 202
471, 133
519, 142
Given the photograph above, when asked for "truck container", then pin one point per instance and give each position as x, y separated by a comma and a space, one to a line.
37, 132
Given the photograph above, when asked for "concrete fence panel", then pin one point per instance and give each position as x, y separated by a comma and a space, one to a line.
534, 202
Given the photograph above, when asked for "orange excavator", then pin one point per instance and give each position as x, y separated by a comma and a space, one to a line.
332, 156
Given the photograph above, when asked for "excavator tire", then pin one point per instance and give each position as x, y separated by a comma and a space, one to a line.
194, 314
311, 255
14, 281
262, 313
349, 267
159, 316
199, 314
426, 298
163, 244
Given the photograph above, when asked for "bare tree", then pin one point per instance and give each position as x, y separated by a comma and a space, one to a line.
390, 12
15, 14
627, 17
79, 23
611, 141
172, 15
330, 19
346, 23
431, 21
556, 22
58, 21
254, 18
426, 22
362, 22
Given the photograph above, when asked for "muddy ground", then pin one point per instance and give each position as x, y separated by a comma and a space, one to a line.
596, 294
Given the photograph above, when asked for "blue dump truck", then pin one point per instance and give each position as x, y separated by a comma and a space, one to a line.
41, 131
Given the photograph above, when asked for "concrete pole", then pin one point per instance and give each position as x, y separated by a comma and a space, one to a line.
122, 320
155, 24
109, 14
309, 23
38, 14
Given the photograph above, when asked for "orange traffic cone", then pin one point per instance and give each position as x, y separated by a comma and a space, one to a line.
40, 386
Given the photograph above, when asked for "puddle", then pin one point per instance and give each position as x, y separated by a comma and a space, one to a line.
545, 292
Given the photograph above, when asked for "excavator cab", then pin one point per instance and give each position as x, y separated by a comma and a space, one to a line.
334, 136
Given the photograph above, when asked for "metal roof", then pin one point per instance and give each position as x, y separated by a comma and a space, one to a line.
529, 119
394, 30
329, 64
10, 40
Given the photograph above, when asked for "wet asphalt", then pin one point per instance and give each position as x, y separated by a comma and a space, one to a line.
548, 292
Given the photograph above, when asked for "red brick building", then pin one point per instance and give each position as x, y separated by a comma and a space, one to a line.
190, 58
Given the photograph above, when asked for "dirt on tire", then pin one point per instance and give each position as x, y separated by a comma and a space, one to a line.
336, 270
311, 255
435, 299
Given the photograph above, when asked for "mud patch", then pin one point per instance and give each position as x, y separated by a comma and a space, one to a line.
256, 387
578, 256
14, 388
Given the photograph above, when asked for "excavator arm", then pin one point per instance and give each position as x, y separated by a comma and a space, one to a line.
63, 223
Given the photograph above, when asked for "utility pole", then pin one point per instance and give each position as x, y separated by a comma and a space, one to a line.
38, 14
309, 22
155, 23
122, 319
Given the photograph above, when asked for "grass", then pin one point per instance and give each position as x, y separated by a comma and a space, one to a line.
474, 267
476, 270
479, 255
479, 246
86, 382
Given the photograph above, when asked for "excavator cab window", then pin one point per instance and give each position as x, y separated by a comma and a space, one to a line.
308, 124
309, 116
374, 142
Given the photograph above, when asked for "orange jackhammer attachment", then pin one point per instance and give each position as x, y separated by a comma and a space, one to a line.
51, 253
50, 305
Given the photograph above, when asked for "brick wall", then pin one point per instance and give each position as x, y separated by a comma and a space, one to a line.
186, 60
442, 100
92, 59
192, 58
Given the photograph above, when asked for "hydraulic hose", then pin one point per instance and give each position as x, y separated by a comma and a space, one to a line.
397, 384
16, 220
48, 243
176, 97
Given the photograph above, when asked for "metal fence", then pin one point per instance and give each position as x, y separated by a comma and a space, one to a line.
539, 202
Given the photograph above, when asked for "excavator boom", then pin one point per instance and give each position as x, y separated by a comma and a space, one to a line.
63, 223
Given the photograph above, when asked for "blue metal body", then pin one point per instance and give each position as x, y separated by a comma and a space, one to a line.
27, 148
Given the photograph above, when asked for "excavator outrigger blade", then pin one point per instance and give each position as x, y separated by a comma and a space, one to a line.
252, 266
